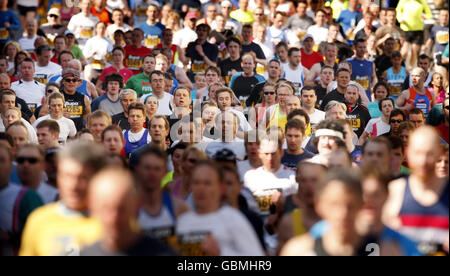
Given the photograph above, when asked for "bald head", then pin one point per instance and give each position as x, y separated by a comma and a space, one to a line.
292, 103
418, 71
423, 151
74, 64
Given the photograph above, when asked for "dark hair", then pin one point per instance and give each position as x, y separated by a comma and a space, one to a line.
380, 103
137, 106
155, 72
168, 76
112, 128
113, 77
377, 140
397, 112
396, 54
396, 143
293, 49
233, 39
203, 25
118, 48
65, 52
152, 150
309, 88
7, 91
424, 56
180, 145
52, 125
41, 49
281, 44
347, 177
213, 68
359, 40
381, 83
416, 111
320, 10
297, 124
27, 59
333, 125
7, 137
247, 26
299, 112
212, 165
58, 37
342, 70
230, 169
275, 60
380, 173
117, 9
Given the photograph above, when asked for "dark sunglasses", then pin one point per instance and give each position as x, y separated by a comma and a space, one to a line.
396, 121
31, 160
269, 93
50, 91
53, 15
446, 107
192, 160
71, 80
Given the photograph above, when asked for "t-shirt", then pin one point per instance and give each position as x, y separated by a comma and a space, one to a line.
183, 37
253, 47
359, 117
105, 103
242, 86
228, 226
320, 93
44, 73
295, 22
165, 106
295, 76
55, 230
227, 65
236, 146
27, 44
82, 27
334, 95
319, 33
152, 33
32, 92
348, 19
243, 167
134, 57
439, 34
376, 127
309, 60
66, 127
316, 117
101, 47
198, 65
124, 72
121, 121
291, 161
362, 71
145, 246
139, 83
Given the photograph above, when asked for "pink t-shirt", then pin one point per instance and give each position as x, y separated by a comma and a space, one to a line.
125, 73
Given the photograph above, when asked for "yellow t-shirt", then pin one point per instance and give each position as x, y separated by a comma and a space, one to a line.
53, 230
242, 16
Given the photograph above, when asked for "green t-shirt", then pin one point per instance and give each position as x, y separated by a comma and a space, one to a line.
77, 53
139, 83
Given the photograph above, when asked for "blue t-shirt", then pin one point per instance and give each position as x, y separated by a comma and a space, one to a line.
152, 34
346, 17
14, 22
362, 71
291, 161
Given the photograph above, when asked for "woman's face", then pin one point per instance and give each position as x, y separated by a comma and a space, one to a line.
437, 80
118, 56
11, 51
11, 117
380, 93
177, 157
151, 105
386, 108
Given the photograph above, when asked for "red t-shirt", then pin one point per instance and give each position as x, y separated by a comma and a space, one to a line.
443, 131
102, 16
173, 47
309, 60
124, 72
54, 59
134, 58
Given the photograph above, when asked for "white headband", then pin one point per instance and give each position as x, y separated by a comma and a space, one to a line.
328, 132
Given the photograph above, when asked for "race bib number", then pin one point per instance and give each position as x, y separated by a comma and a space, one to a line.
42, 78
4, 34
152, 41
264, 203
87, 32
32, 107
301, 35
142, 9
190, 244
442, 37
199, 67
134, 63
109, 58
260, 70
163, 234
227, 79
75, 110
395, 90
98, 64
356, 123
364, 82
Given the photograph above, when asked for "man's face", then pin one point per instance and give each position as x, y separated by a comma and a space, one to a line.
206, 189
386, 108
246, 34
65, 59
282, 53
390, 18
126, 100
351, 95
417, 78
46, 138
278, 22
113, 87
202, 33
248, 65
56, 108
326, 144
167, 36
31, 168
19, 135
252, 150
343, 79
3, 65
327, 75
443, 17
397, 158
301, 9
292, 103
308, 177
113, 142
161, 65
389, 45
417, 119
7, 102
226, 10
27, 70
283, 93
137, 38
333, 32
308, 44
136, 118
422, 155
331, 52
295, 58
71, 84
377, 153
233, 49
211, 11
233, 186
336, 113
44, 58
395, 122
228, 126
96, 127
85, 5
60, 45
270, 155
224, 100
148, 65
424, 64
157, 83
374, 197
243, 4
274, 70
158, 130
294, 139
308, 98
211, 76
152, 13
321, 18
150, 171
361, 49
182, 98
117, 17
31, 27
5, 164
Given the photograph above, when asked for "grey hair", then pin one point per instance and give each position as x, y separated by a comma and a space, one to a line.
127, 91
75, 62
332, 104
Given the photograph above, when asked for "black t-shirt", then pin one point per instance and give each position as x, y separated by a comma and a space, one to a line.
254, 219
334, 95
242, 86
227, 65
291, 161
221, 36
26, 112
198, 64
320, 93
121, 121
382, 63
76, 108
255, 48
359, 116
145, 246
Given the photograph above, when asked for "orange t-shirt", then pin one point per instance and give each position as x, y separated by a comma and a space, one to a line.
102, 16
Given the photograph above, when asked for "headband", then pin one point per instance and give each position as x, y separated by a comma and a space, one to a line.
329, 132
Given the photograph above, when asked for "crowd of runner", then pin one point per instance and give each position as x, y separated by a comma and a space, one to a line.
224, 127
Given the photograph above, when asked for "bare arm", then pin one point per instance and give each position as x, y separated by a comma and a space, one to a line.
394, 203
363, 138
91, 89
383, 76
182, 78
402, 101
312, 75
87, 104
374, 76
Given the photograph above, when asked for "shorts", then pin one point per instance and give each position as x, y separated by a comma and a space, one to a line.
415, 37
24, 10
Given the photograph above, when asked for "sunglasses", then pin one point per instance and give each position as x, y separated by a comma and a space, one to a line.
446, 107
192, 160
31, 160
53, 15
269, 93
396, 121
72, 80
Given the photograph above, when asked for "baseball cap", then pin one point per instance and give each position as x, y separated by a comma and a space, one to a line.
69, 72
225, 155
191, 15
54, 11
308, 36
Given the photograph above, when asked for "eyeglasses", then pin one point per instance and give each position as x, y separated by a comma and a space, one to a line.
31, 160
53, 15
446, 107
269, 93
396, 121
50, 91
259, 14
71, 80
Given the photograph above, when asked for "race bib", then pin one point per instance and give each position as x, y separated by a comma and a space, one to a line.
190, 244
442, 37
109, 58
395, 90
98, 64
363, 81
134, 63
165, 235
88, 32
4, 34
151, 41
32, 107
42, 78
261, 70
142, 9
301, 35
199, 67
264, 203
75, 111
356, 122
227, 79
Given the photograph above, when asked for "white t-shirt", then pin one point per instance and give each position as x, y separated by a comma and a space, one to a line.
79, 21
228, 226
28, 3
101, 47
243, 123
243, 167
113, 27
43, 74
319, 33
32, 92
66, 127
32, 137
27, 44
316, 117
295, 76
236, 146
376, 127
183, 37
136, 137
165, 104
48, 193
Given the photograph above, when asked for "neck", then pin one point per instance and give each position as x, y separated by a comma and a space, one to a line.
151, 21
446, 121
234, 58
136, 130
158, 94
426, 181
85, 13
341, 89
160, 144
329, 62
113, 97
295, 151
338, 240
28, 79
127, 239
385, 119
272, 80
247, 74
293, 66
233, 202
255, 162
206, 209
34, 184
350, 145
30, 35
360, 57
56, 116
273, 170
323, 84
152, 197
308, 51
309, 109
118, 66
352, 105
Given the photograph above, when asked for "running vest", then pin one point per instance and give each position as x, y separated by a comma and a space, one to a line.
395, 82
426, 83
277, 119
76, 108
162, 226
295, 76
362, 73
427, 225
130, 147
83, 89
422, 102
